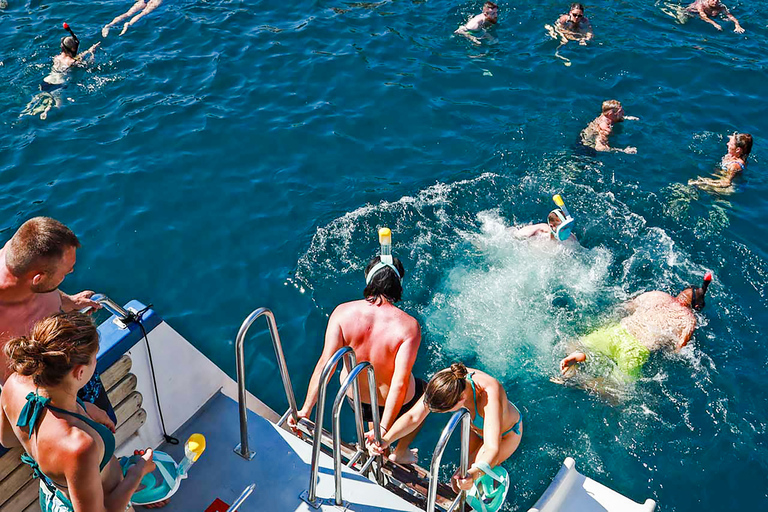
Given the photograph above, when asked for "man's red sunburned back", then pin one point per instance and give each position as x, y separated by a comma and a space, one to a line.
376, 332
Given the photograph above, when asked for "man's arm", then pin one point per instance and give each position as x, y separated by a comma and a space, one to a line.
685, 337
737, 27
334, 340
77, 301
401, 378
531, 231
87, 52
703, 15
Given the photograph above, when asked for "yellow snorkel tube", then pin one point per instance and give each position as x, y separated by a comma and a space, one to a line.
563, 230
385, 256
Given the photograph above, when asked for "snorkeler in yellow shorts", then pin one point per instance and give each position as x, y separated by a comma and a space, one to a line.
657, 321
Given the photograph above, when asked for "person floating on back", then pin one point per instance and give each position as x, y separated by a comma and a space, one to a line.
56, 80
733, 163
657, 321
558, 226
487, 18
574, 26
596, 133
708, 9
379, 332
141, 5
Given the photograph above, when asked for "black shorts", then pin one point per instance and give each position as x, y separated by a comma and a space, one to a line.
418, 393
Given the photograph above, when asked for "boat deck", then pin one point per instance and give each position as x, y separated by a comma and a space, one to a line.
280, 468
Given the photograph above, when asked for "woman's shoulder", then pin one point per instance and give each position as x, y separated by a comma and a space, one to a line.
62, 444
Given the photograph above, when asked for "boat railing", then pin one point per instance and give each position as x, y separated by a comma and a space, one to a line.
123, 317
242, 449
461, 416
346, 353
352, 380
240, 499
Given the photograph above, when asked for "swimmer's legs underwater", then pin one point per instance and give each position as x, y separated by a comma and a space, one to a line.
138, 6
41, 104
151, 6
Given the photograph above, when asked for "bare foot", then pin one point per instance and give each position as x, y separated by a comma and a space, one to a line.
125, 28
409, 457
105, 31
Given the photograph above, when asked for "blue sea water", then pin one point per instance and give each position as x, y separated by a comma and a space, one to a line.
225, 155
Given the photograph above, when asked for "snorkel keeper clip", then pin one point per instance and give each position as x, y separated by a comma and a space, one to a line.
386, 261
563, 230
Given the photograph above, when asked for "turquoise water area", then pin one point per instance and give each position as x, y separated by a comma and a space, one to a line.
226, 155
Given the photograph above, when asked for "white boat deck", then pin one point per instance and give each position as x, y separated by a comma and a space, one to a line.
280, 468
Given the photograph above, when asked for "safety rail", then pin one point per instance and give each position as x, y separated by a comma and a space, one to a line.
240, 499
336, 413
242, 449
310, 496
123, 316
462, 415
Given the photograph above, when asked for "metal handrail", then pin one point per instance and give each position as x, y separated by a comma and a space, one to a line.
462, 415
113, 307
351, 379
242, 448
351, 360
240, 499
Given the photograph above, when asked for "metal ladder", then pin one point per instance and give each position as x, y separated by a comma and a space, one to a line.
348, 355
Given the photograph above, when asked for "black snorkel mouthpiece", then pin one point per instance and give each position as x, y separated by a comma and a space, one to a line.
697, 294
70, 43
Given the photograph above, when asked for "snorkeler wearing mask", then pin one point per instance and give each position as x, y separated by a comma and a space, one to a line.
558, 227
658, 321
383, 334
56, 80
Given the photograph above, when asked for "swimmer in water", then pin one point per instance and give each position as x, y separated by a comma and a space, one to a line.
708, 9
596, 133
732, 164
141, 5
658, 321
558, 226
574, 26
56, 80
486, 19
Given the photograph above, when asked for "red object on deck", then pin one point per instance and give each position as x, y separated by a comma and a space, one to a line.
217, 506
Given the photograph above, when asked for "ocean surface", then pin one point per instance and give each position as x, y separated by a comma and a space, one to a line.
226, 155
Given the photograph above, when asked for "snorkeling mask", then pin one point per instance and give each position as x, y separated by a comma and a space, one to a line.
697, 294
385, 240
563, 230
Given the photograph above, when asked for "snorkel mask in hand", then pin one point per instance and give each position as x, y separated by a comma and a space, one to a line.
385, 240
563, 230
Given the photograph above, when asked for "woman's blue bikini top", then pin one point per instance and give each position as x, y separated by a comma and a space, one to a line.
31, 415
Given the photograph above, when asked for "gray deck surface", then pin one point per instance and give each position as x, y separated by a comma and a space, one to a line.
280, 469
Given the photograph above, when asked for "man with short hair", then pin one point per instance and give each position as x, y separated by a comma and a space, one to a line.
708, 9
596, 133
383, 334
485, 19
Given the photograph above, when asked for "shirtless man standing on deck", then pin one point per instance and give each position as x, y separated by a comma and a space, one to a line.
387, 337
33, 264
658, 321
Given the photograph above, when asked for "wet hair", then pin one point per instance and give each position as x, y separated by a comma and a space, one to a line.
553, 220
744, 142
38, 244
576, 5
445, 388
70, 45
609, 105
491, 5
54, 347
384, 283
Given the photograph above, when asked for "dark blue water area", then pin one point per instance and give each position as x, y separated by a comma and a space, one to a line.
223, 156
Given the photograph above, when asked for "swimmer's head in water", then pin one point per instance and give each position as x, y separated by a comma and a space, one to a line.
491, 11
383, 282
576, 11
446, 388
693, 296
740, 144
613, 110
70, 44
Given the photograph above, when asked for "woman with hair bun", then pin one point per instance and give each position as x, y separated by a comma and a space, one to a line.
70, 448
497, 425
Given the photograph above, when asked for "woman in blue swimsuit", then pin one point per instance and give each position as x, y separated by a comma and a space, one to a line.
733, 163
69, 445
497, 425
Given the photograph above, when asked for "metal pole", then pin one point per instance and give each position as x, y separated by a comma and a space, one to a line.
317, 435
336, 412
374, 394
110, 305
240, 499
462, 415
242, 449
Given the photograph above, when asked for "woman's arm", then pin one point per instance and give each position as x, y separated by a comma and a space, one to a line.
7, 435
723, 182
406, 424
493, 413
